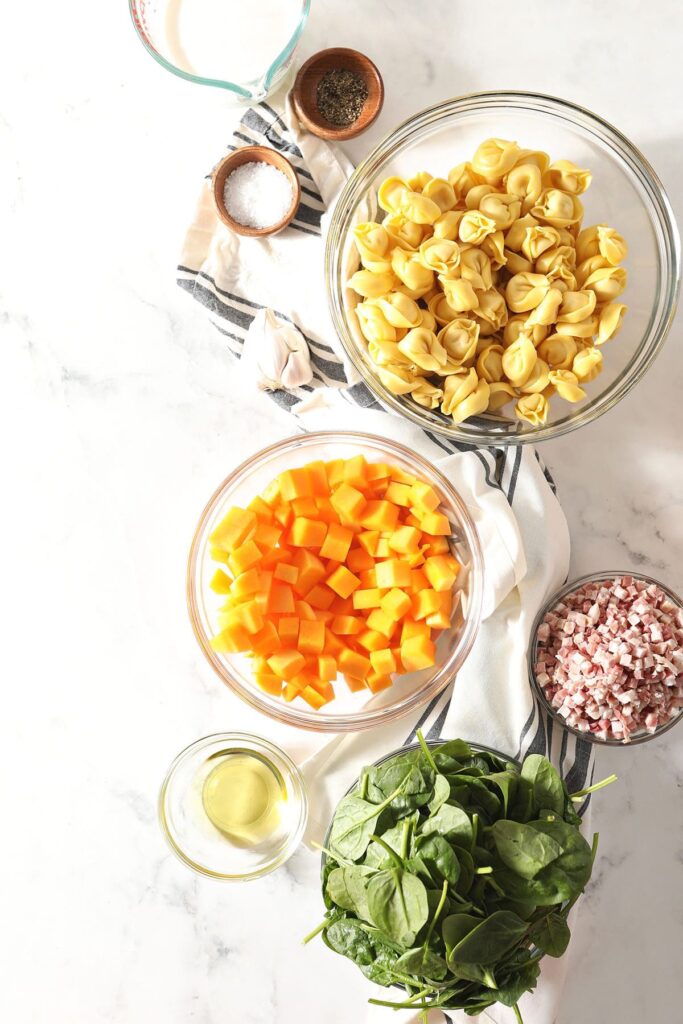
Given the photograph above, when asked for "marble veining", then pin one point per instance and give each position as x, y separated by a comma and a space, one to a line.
120, 413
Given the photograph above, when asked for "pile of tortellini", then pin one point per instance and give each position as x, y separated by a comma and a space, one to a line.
483, 288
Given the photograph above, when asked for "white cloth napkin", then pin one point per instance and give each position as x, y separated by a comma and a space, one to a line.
251, 290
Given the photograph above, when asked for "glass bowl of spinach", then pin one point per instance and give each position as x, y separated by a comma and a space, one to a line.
449, 870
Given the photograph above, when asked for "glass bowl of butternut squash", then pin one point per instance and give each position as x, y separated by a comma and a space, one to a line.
335, 581
502, 268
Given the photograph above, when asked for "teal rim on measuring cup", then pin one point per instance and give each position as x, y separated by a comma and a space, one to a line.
173, 32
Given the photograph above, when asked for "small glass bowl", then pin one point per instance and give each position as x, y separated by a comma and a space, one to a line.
625, 193
348, 712
197, 841
642, 735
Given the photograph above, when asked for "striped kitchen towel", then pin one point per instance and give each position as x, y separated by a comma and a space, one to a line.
508, 491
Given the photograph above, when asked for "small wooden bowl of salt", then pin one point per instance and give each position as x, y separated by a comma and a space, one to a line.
256, 191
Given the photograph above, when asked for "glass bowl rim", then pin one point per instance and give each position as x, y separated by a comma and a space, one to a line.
265, 746
362, 719
660, 212
554, 599
220, 83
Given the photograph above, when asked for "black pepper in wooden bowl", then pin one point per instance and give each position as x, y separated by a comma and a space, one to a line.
340, 96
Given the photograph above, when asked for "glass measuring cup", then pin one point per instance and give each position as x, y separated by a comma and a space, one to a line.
243, 46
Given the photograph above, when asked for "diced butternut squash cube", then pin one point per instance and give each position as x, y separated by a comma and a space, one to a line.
327, 667
272, 495
354, 684
415, 560
280, 600
384, 549
337, 542
368, 578
441, 571
335, 472
319, 597
368, 598
354, 664
437, 546
218, 554
405, 540
411, 629
261, 509
392, 573
379, 515
377, 471
383, 661
346, 625
266, 535
304, 611
286, 664
424, 496
283, 514
343, 582
371, 640
220, 582
305, 507
359, 560
436, 524
251, 617
401, 476
234, 529
243, 557
290, 692
347, 502
312, 697
323, 687
311, 637
399, 494
286, 573
396, 604
333, 645
268, 682
376, 682
368, 540
418, 580
247, 583
342, 606
426, 602
295, 483
417, 653
307, 533
383, 623
232, 639
317, 474
266, 641
354, 471
325, 511
288, 630
311, 571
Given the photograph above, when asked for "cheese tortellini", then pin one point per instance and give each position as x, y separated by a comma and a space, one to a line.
482, 287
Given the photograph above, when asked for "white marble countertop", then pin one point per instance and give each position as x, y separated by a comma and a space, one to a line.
120, 413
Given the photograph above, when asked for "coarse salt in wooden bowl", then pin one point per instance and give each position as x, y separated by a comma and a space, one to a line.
253, 154
305, 90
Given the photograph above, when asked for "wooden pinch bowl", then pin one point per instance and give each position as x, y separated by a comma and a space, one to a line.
304, 92
247, 155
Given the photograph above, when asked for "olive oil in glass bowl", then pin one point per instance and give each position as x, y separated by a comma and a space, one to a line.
233, 806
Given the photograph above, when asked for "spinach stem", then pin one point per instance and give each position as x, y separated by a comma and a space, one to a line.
592, 789
518, 1015
405, 839
486, 870
392, 853
364, 785
333, 856
316, 931
426, 751
439, 908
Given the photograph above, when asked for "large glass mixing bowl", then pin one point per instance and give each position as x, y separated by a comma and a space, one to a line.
625, 193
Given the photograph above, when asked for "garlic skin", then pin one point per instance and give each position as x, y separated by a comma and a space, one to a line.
275, 354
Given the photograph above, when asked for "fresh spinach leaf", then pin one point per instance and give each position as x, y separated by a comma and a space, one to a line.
487, 942
346, 887
552, 935
439, 857
522, 848
348, 938
546, 784
441, 793
398, 904
423, 962
452, 822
